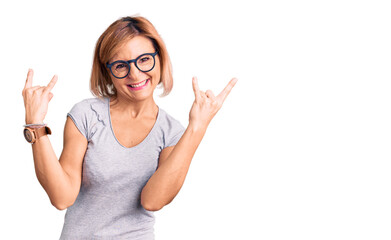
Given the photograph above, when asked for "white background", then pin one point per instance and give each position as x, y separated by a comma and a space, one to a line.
300, 149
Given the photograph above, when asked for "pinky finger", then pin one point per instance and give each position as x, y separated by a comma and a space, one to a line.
51, 84
223, 95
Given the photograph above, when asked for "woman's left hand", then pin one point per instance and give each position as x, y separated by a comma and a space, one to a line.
206, 104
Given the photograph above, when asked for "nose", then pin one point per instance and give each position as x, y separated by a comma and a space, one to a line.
134, 72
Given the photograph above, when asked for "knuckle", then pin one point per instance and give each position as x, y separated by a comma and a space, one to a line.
29, 91
37, 91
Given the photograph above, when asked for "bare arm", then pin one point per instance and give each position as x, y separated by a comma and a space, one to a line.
168, 179
60, 179
174, 162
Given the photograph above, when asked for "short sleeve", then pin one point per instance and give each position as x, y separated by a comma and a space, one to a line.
173, 131
78, 115
175, 135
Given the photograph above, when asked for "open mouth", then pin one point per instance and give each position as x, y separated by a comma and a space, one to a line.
139, 85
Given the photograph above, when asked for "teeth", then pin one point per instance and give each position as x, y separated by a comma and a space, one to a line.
140, 84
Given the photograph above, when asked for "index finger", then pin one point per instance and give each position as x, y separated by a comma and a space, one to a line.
223, 95
196, 89
51, 84
29, 79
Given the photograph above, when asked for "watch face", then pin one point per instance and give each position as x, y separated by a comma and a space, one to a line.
27, 135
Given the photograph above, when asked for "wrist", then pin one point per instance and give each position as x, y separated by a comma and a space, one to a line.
34, 121
32, 134
194, 127
35, 125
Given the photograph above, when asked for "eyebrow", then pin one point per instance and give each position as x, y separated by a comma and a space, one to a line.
149, 52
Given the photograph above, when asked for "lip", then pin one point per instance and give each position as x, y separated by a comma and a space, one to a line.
141, 87
138, 82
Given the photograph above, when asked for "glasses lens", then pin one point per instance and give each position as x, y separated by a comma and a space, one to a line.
145, 63
120, 69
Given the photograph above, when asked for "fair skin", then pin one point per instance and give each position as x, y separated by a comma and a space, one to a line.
132, 111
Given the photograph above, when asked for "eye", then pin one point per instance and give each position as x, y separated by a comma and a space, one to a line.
144, 59
119, 66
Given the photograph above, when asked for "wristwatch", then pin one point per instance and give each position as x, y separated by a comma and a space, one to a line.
32, 134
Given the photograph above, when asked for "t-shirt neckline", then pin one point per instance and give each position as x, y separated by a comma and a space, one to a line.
144, 140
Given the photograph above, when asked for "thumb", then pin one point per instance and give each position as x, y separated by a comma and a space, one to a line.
50, 96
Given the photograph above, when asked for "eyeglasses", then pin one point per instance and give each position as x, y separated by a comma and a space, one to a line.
144, 63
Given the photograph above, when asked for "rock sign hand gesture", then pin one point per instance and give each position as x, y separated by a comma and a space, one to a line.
206, 104
36, 99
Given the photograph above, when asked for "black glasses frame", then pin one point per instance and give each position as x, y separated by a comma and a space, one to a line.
109, 65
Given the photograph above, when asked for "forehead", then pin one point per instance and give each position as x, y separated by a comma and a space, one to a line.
134, 47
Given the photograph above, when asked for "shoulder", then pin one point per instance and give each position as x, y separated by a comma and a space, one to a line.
89, 109
87, 113
89, 105
170, 127
86, 103
167, 120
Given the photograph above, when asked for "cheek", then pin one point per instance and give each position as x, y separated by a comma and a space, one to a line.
156, 76
157, 70
116, 84
114, 81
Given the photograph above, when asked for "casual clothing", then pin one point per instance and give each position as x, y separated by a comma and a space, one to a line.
113, 176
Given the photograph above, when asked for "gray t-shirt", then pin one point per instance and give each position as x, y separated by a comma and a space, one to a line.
113, 176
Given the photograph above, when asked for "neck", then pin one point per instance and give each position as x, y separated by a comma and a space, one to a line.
133, 109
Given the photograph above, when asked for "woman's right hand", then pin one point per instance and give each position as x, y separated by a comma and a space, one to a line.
36, 99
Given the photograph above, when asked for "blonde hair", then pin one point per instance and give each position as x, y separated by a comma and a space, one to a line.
112, 39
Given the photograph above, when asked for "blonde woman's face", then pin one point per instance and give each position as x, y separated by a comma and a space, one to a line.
137, 85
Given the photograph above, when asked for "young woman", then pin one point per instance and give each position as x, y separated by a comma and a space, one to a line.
123, 157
